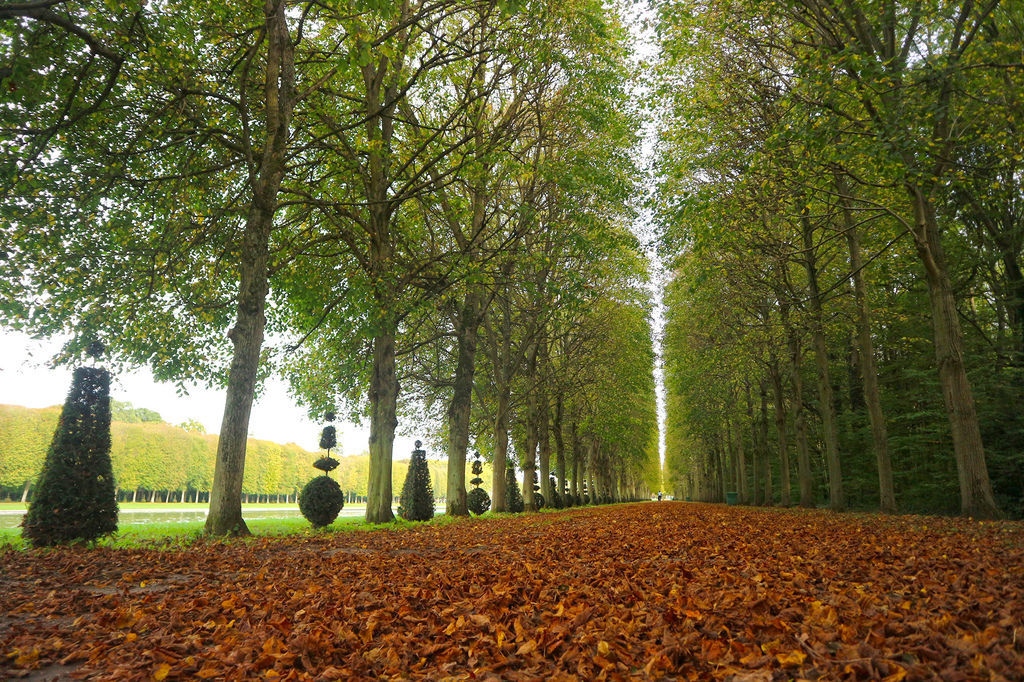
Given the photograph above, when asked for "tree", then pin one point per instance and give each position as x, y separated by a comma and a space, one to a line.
833, 125
198, 141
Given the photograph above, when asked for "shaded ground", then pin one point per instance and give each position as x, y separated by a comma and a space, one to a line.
635, 591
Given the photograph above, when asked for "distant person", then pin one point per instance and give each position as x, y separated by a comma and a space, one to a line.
659, 496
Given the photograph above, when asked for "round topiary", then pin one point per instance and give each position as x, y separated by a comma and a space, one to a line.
478, 501
321, 500
538, 500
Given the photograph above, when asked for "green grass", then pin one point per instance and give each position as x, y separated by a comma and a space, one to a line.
180, 534
177, 535
158, 506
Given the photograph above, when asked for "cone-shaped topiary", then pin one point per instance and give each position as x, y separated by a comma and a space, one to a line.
556, 499
417, 500
538, 498
321, 500
477, 501
513, 497
74, 497
328, 438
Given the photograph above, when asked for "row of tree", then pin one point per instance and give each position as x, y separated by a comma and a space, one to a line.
155, 461
840, 199
424, 201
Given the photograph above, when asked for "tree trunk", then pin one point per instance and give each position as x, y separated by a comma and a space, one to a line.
24, 491
825, 396
780, 427
975, 488
459, 410
591, 487
741, 465
733, 479
225, 515
757, 496
577, 464
544, 447
500, 452
383, 421
529, 464
721, 470
769, 498
1015, 302
529, 457
803, 451
869, 371
560, 467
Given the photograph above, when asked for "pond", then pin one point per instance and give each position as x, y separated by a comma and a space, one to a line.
11, 518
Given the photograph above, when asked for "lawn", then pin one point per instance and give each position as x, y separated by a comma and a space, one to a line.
162, 535
160, 506
649, 590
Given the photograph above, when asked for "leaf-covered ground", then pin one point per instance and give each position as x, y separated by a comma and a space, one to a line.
641, 591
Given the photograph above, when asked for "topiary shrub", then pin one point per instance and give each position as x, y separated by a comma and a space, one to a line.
321, 500
328, 439
74, 497
477, 501
556, 499
538, 498
417, 500
513, 497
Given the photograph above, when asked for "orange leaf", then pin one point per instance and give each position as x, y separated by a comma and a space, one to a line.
792, 659
528, 647
161, 672
896, 676
26, 660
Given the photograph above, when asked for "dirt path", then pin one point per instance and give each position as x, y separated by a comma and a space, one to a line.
634, 591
